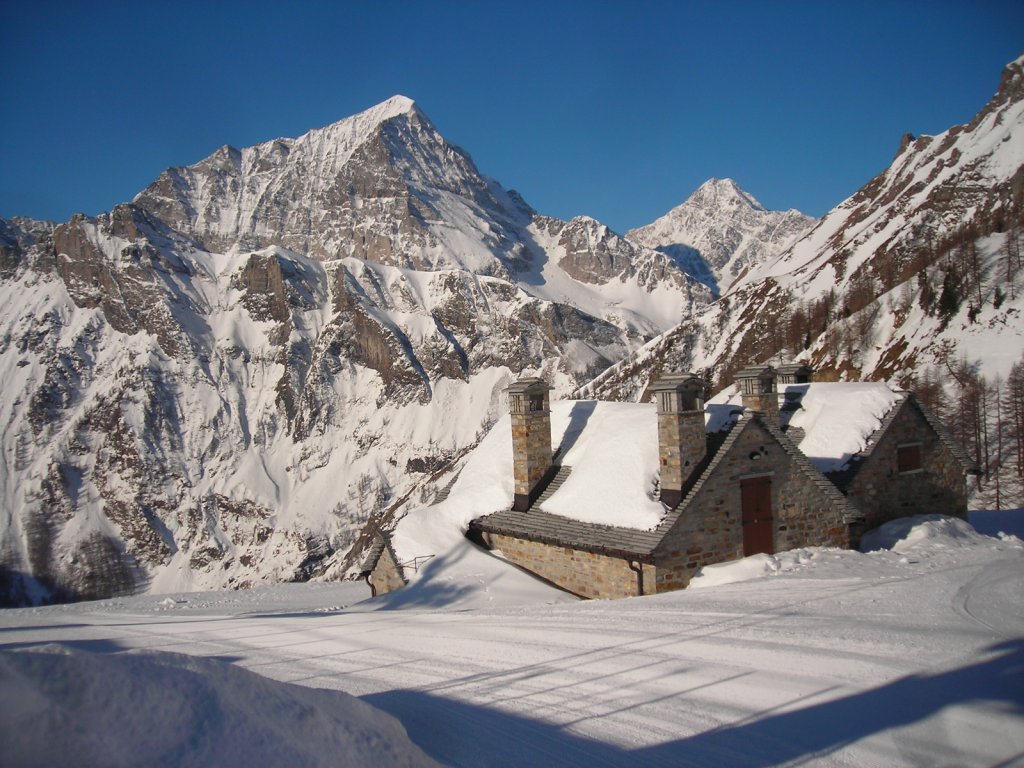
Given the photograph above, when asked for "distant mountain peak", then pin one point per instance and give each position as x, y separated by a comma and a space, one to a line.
721, 231
723, 193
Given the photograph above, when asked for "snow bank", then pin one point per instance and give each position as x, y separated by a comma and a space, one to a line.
72, 707
925, 535
755, 567
444, 569
924, 531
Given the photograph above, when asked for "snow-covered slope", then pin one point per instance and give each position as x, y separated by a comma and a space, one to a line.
720, 232
72, 707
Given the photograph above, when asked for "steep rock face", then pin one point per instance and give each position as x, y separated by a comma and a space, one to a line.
594, 254
382, 186
920, 267
18, 236
720, 232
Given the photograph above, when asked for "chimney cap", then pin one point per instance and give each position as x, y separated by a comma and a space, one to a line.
680, 382
530, 385
679, 393
794, 368
762, 371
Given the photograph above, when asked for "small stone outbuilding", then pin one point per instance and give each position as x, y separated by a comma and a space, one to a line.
381, 568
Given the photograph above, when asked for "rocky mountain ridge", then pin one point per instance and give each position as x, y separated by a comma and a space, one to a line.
234, 378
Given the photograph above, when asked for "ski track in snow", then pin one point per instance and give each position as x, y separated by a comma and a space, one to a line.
909, 657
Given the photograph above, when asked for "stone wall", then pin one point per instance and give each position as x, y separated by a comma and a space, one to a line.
587, 574
386, 575
882, 493
710, 528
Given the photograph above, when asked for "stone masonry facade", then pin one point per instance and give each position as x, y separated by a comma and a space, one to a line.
682, 444
587, 574
882, 493
710, 529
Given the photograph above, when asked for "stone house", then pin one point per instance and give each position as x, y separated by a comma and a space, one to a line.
778, 464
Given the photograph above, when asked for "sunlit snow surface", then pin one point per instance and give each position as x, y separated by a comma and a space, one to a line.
907, 656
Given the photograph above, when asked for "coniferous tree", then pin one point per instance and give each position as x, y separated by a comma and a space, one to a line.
1013, 406
950, 298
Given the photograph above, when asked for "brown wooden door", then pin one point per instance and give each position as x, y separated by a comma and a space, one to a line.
758, 530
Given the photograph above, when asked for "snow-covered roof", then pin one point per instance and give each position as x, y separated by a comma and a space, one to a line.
612, 450
838, 419
830, 422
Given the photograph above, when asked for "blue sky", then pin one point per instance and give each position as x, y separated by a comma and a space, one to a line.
612, 109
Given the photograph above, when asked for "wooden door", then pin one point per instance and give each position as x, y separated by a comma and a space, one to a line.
758, 527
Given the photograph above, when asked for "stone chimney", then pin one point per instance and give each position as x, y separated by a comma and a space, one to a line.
682, 440
758, 386
530, 407
793, 373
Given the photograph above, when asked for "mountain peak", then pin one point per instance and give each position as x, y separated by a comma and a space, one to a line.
723, 193
361, 125
393, 107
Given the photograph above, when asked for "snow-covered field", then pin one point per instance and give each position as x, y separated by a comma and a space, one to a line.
912, 654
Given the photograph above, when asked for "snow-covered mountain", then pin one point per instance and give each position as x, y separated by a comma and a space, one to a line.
919, 268
720, 232
222, 382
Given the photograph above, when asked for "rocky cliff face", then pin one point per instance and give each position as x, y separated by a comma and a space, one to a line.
223, 382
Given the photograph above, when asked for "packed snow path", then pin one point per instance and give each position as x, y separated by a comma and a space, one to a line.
906, 657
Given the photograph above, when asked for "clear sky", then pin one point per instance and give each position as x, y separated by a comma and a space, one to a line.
617, 110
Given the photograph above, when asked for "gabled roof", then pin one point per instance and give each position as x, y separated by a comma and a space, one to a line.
955, 448
844, 476
381, 543
536, 524
539, 525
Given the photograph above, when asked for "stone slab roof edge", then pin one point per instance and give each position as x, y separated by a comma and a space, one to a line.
382, 542
544, 527
955, 448
373, 554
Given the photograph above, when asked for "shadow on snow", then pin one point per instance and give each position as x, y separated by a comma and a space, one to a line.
461, 734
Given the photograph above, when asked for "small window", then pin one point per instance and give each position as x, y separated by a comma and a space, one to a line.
536, 403
908, 458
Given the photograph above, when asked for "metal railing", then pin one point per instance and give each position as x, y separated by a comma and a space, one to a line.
415, 562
